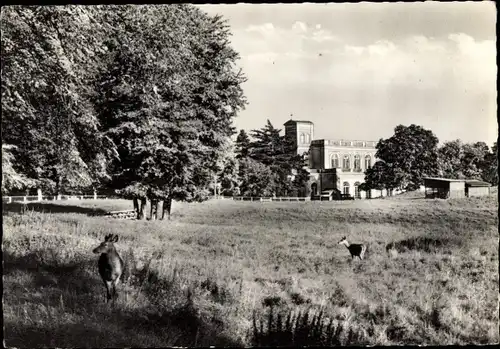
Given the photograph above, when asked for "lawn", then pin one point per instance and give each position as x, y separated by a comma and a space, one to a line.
430, 275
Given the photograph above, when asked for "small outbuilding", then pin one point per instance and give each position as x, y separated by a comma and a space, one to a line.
444, 188
476, 188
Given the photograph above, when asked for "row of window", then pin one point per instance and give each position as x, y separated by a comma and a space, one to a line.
346, 189
356, 189
346, 162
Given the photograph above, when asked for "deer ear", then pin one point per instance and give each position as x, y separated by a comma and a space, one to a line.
116, 238
106, 238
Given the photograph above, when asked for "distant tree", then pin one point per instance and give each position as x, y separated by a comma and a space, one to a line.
300, 182
382, 176
277, 152
410, 154
490, 171
242, 146
227, 170
256, 178
268, 145
450, 156
469, 160
473, 159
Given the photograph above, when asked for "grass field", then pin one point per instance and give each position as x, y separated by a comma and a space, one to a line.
430, 275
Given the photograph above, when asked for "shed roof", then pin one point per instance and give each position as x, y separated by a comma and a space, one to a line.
476, 183
444, 179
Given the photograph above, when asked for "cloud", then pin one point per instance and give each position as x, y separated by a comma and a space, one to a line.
302, 53
299, 27
301, 39
264, 29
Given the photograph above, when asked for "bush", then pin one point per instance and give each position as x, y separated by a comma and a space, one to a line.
302, 330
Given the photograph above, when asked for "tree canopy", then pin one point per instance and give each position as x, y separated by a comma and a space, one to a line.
140, 98
409, 155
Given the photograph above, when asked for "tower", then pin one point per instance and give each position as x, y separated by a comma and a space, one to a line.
301, 133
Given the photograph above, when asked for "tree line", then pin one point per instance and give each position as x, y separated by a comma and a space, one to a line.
265, 163
134, 99
140, 100
413, 153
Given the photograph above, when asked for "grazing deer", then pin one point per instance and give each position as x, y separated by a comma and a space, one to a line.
110, 265
356, 250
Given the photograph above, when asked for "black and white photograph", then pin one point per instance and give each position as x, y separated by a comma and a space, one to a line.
250, 175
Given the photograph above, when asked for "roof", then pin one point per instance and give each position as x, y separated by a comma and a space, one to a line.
444, 179
476, 183
297, 121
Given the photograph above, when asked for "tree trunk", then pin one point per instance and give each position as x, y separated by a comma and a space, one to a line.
136, 207
153, 209
141, 211
167, 205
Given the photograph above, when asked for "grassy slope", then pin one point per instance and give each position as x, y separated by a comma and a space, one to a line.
197, 279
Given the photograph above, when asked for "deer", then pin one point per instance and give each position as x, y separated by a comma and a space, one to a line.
110, 265
356, 250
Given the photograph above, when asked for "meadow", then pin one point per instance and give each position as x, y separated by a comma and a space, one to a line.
212, 274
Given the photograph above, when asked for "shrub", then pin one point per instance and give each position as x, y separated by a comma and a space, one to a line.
302, 330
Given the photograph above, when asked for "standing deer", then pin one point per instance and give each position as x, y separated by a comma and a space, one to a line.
110, 265
356, 250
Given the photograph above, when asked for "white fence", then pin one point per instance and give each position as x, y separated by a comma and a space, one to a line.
39, 198
261, 199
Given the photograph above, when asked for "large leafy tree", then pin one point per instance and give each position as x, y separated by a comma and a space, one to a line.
168, 98
411, 153
49, 55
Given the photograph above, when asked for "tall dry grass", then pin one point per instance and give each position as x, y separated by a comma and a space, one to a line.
212, 274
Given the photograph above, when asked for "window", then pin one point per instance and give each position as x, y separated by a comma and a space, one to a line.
357, 195
347, 163
368, 162
346, 188
334, 161
307, 138
357, 163
302, 138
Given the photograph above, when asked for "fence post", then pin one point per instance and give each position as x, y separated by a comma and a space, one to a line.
95, 195
25, 199
58, 196
40, 196
10, 199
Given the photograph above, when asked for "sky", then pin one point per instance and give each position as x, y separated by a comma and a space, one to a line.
357, 70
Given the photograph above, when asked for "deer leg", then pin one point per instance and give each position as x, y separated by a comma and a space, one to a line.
108, 291
115, 294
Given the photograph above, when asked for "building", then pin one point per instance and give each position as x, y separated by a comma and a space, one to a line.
333, 163
445, 188
476, 188
301, 133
